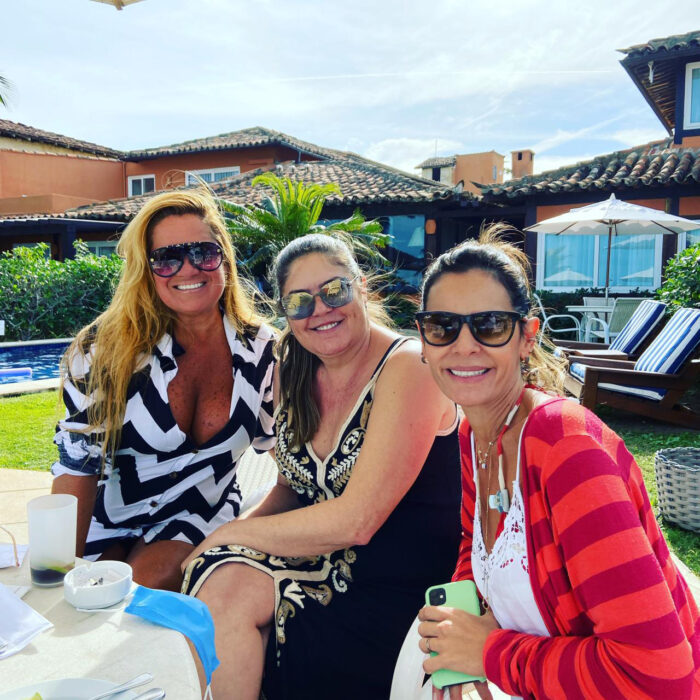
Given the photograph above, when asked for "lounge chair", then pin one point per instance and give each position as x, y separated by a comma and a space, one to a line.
574, 327
652, 386
630, 341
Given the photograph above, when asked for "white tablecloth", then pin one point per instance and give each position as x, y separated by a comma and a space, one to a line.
108, 646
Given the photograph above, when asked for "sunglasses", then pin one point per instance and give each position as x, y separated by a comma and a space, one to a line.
168, 260
334, 293
490, 328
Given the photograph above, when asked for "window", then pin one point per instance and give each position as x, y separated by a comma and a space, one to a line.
494, 177
212, 174
691, 110
105, 248
141, 184
689, 238
570, 262
436, 174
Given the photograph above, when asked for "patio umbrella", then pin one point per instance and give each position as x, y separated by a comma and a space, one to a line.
613, 216
119, 4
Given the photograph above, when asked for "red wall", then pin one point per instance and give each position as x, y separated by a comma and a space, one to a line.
44, 173
170, 170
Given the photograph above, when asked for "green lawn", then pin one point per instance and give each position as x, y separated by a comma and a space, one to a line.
26, 430
27, 426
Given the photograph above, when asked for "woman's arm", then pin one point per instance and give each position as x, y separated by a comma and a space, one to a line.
280, 499
406, 415
638, 647
84, 488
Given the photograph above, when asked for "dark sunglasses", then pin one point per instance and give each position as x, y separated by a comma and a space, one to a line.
490, 328
334, 293
168, 260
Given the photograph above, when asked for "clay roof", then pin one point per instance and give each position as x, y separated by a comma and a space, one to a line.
244, 138
651, 165
22, 132
438, 162
657, 82
361, 182
665, 45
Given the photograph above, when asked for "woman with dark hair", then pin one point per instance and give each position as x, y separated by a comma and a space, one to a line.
164, 391
334, 562
582, 596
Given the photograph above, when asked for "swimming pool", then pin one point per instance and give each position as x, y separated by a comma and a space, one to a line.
41, 356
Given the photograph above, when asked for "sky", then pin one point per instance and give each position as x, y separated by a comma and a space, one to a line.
397, 82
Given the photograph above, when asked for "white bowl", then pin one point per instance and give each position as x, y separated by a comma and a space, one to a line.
97, 585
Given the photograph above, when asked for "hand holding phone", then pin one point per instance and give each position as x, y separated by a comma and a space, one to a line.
462, 595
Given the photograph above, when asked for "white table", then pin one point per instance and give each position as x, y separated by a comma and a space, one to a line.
112, 646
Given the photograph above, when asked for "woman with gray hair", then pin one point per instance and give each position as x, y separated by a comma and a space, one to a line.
365, 514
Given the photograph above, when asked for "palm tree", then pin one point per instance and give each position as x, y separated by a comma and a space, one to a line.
5, 87
293, 210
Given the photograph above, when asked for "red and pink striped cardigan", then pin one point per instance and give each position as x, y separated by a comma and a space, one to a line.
623, 621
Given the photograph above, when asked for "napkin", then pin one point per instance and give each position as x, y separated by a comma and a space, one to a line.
7, 554
19, 623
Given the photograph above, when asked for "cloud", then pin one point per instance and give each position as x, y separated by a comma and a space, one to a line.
406, 153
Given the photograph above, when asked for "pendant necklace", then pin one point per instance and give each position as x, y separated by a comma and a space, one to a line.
500, 500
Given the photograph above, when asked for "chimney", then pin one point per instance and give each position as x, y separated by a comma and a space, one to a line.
522, 163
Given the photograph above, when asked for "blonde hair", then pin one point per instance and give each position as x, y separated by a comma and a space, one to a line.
511, 267
137, 319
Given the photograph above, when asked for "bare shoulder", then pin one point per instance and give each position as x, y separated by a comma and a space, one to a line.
404, 370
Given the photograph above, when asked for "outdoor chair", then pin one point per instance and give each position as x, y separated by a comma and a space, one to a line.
622, 310
575, 326
635, 335
654, 385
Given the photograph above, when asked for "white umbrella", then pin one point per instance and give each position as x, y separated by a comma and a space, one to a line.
119, 4
613, 215
568, 276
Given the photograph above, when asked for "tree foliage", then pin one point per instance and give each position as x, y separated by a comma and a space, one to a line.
681, 285
291, 210
45, 298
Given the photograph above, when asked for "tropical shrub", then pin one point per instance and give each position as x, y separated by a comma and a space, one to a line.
291, 210
45, 298
681, 285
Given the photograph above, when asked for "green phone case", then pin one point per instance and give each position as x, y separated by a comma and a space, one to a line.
462, 595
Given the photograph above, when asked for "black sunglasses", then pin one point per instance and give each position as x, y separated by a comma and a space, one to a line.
168, 260
334, 293
490, 328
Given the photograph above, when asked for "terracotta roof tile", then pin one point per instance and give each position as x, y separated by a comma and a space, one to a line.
15, 130
245, 138
677, 42
361, 182
651, 165
438, 162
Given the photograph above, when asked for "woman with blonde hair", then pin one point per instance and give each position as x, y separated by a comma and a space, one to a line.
582, 596
164, 392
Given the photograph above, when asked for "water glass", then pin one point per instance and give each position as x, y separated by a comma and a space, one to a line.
52, 523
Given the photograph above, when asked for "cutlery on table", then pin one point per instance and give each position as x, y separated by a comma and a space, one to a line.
133, 683
152, 694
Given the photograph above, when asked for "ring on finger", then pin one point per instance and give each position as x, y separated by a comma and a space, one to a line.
427, 645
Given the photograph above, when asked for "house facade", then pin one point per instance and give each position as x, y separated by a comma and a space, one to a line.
663, 175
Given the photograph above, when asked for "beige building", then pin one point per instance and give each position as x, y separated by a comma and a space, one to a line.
471, 169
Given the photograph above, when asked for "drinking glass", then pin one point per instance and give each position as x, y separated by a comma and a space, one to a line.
52, 524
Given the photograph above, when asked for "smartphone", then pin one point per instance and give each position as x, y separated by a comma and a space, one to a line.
462, 595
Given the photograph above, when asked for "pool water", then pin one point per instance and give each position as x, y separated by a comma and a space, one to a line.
42, 358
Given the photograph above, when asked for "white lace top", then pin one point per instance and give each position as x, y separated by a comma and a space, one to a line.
502, 576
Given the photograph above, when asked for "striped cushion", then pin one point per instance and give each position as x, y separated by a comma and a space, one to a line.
641, 323
578, 370
672, 347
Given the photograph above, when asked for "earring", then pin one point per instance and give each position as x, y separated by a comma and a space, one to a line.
422, 359
525, 365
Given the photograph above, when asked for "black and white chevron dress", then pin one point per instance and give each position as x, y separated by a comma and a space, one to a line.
161, 485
